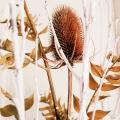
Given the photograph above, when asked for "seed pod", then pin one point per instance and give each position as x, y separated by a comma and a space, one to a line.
69, 31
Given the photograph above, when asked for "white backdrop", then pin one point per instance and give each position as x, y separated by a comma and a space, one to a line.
101, 42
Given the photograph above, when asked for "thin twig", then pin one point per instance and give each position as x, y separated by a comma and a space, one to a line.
45, 62
69, 94
19, 75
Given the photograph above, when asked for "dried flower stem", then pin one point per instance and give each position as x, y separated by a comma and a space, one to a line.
45, 62
86, 53
58, 46
19, 76
69, 94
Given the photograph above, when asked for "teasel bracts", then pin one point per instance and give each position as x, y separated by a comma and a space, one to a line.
69, 30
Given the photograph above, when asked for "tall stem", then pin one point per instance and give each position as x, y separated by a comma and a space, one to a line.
45, 61
69, 94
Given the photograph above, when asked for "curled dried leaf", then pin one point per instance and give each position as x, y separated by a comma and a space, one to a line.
76, 103
8, 111
113, 79
114, 59
7, 45
100, 114
108, 87
97, 70
103, 97
92, 83
115, 69
6, 94
29, 102
7, 60
26, 62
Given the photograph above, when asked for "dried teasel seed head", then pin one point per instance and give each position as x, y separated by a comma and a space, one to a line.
69, 31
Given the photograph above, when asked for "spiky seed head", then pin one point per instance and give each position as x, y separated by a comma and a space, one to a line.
69, 31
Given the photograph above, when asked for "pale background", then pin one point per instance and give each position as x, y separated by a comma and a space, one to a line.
100, 38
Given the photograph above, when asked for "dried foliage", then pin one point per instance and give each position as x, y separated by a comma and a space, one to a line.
50, 115
100, 114
11, 109
76, 103
49, 112
111, 82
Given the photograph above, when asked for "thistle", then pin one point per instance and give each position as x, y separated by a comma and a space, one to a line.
69, 31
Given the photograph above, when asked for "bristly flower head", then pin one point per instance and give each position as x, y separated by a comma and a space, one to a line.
69, 31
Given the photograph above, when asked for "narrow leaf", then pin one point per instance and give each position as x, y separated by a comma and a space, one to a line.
50, 118
98, 115
6, 94
7, 45
100, 98
29, 102
108, 87
113, 79
103, 97
45, 108
92, 83
97, 70
115, 69
76, 103
5, 21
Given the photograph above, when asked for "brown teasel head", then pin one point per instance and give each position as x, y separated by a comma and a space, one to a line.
69, 31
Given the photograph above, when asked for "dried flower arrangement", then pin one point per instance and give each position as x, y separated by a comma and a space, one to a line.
69, 31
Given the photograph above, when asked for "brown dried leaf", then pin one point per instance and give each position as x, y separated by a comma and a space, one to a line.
97, 70
49, 114
100, 114
19, 27
26, 62
49, 97
5, 21
100, 98
29, 102
50, 118
76, 103
103, 97
8, 111
6, 94
43, 31
114, 59
109, 55
7, 45
92, 83
7, 60
113, 79
108, 87
115, 69
31, 36
59, 104
43, 99
45, 108
33, 54
105, 87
